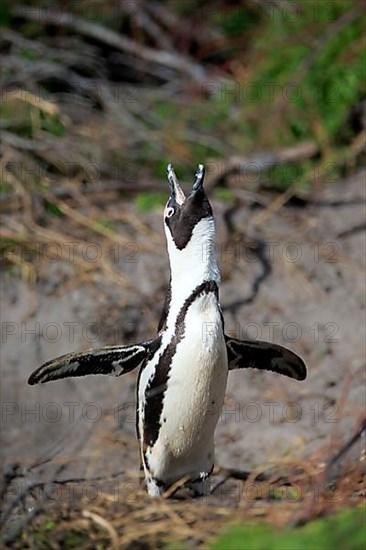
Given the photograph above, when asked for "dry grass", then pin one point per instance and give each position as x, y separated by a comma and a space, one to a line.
117, 513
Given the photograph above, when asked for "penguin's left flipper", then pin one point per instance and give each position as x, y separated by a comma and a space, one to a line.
112, 360
254, 354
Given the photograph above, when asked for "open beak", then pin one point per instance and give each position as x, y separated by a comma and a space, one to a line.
176, 192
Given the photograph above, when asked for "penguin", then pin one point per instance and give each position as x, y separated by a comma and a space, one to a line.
183, 370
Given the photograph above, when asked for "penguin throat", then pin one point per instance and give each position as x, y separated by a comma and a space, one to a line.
196, 263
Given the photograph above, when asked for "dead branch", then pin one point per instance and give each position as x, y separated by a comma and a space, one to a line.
147, 23
261, 161
173, 61
361, 430
169, 19
24, 143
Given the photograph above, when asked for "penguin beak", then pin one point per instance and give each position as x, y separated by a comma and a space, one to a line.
199, 175
176, 192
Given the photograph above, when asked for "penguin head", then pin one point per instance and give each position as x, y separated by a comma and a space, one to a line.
183, 214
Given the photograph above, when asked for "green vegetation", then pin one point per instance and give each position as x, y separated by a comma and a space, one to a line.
223, 194
316, 81
147, 201
70, 538
53, 209
344, 531
52, 124
292, 73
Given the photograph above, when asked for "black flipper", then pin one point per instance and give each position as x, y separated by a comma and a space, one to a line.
112, 360
253, 354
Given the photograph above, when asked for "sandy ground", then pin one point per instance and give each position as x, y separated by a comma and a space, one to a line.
305, 289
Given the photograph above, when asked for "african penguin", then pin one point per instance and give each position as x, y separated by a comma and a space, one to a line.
182, 370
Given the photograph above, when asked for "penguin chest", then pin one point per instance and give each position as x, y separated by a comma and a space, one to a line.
195, 394
192, 398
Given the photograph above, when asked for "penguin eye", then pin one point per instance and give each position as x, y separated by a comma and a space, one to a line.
169, 212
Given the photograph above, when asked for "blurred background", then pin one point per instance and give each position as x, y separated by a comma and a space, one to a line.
97, 97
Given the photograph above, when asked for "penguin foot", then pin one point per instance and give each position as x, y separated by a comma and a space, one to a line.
199, 488
155, 487
201, 485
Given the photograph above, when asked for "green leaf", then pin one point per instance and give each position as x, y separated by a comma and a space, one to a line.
54, 209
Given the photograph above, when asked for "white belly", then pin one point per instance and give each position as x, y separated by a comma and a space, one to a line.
193, 398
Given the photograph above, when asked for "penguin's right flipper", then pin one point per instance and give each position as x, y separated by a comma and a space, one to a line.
112, 360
